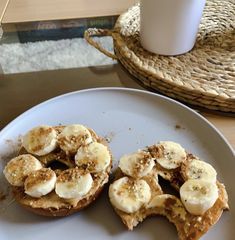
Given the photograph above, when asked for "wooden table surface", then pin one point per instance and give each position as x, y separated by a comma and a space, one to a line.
19, 11
20, 92
3, 7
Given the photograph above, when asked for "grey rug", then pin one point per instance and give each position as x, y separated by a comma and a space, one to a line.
50, 55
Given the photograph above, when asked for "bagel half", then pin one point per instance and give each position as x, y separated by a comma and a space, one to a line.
51, 204
189, 226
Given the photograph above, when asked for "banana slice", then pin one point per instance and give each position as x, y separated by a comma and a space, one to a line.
197, 169
18, 168
129, 195
73, 183
137, 164
40, 182
171, 155
74, 136
40, 140
198, 195
95, 157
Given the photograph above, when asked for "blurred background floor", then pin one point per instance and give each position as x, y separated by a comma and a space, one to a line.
48, 34
18, 57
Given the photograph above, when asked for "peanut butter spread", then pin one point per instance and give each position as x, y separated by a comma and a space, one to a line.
52, 200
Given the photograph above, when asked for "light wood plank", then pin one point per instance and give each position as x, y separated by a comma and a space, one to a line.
35, 10
3, 6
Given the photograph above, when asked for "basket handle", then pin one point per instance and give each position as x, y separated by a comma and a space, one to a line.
89, 33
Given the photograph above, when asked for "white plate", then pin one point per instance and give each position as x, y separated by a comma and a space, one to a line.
132, 119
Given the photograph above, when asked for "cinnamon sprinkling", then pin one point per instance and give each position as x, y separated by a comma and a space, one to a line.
37, 135
143, 162
71, 174
156, 151
44, 174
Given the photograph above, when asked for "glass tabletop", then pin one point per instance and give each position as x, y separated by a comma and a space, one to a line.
49, 45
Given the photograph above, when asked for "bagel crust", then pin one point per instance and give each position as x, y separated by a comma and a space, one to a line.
51, 205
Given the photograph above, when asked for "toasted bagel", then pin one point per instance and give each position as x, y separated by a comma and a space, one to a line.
190, 226
53, 205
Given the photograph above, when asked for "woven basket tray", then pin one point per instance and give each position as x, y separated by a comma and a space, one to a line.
205, 76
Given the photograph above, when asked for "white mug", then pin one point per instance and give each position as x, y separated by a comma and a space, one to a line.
169, 27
